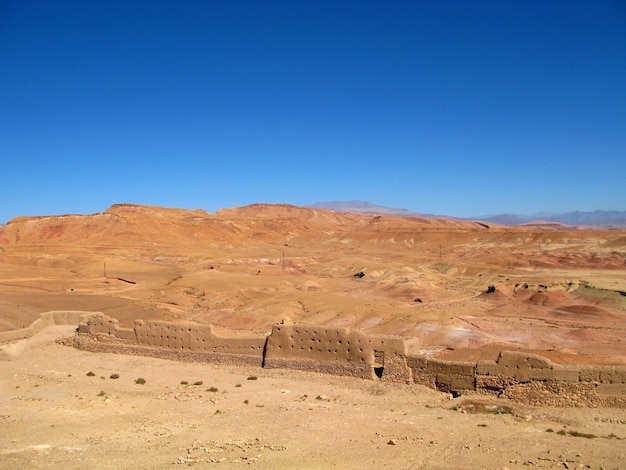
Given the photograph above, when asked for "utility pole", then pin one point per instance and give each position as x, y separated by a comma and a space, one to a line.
105, 270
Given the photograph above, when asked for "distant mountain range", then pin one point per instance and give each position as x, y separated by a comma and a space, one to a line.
364, 207
596, 218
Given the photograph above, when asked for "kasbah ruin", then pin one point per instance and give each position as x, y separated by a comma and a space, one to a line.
339, 351
346, 351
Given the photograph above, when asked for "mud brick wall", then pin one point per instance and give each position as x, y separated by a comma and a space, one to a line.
194, 337
442, 375
184, 337
94, 344
339, 349
511, 368
55, 317
100, 324
603, 374
515, 367
347, 369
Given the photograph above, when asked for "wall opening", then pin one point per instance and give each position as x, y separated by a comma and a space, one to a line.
379, 363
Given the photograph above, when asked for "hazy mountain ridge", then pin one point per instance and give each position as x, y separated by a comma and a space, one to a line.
365, 207
598, 218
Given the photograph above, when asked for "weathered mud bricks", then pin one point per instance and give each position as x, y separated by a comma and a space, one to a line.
189, 338
337, 350
340, 351
517, 367
196, 338
102, 325
448, 376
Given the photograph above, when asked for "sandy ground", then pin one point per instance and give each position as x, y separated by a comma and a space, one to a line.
559, 291
60, 408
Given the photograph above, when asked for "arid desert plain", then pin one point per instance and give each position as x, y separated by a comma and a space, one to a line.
451, 290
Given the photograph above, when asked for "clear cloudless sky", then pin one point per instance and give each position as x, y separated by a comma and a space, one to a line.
462, 108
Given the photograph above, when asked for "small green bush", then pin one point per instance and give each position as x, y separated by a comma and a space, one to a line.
114, 376
184, 382
212, 389
140, 381
252, 377
199, 382
90, 374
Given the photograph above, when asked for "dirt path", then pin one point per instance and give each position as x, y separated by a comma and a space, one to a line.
54, 415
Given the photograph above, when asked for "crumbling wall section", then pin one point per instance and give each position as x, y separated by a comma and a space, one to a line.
194, 337
188, 337
336, 350
514, 367
55, 317
448, 376
521, 376
525, 377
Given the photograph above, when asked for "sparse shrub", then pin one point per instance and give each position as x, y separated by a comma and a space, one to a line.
184, 382
217, 412
212, 389
563, 432
114, 376
238, 385
246, 402
252, 377
140, 381
101, 394
491, 289
199, 382
90, 374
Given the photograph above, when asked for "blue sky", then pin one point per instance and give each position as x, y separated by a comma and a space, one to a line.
448, 107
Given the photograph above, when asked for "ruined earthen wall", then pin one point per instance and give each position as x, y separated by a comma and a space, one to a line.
185, 337
56, 317
511, 368
340, 350
194, 337
101, 344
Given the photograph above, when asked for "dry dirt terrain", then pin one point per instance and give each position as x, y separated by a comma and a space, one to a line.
61, 408
453, 289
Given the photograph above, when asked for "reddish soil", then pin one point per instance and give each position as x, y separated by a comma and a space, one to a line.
554, 289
